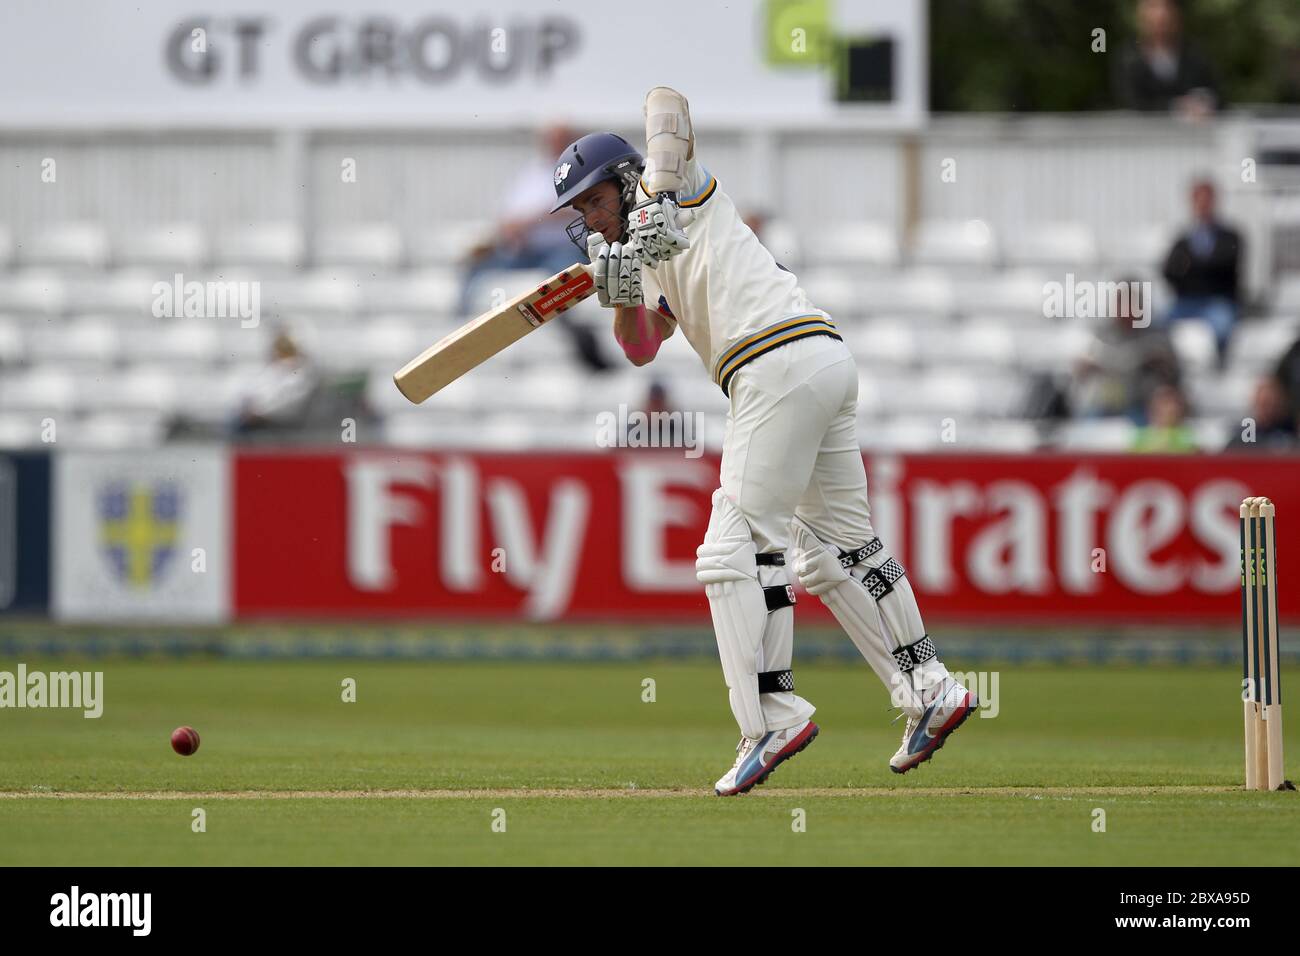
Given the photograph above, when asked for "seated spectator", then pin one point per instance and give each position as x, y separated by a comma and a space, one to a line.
1288, 377
528, 235
1290, 75
1123, 366
1161, 72
1047, 398
1166, 431
1271, 425
279, 396
1203, 267
659, 417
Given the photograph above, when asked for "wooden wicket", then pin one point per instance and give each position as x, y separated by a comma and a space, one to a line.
1261, 677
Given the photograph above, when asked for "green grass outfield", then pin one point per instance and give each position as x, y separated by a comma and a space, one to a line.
586, 772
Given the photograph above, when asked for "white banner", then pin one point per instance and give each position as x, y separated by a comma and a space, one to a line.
142, 536
438, 62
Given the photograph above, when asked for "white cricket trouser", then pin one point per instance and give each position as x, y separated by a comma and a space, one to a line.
791, 448
791, 445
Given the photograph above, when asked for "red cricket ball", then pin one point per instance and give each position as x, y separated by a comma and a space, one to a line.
185, 740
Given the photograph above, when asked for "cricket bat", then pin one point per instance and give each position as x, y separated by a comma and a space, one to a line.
478, 340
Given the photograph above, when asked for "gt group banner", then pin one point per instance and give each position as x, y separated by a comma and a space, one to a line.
985, 539
434, 62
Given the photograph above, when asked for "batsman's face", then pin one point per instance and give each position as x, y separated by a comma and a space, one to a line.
601, 210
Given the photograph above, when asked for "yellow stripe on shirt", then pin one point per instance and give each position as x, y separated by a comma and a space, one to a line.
690, 202
758, 336
768, 339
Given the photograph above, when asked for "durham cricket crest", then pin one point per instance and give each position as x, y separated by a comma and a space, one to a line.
138, 528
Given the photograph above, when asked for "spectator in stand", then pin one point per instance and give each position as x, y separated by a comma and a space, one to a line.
1204, 267
1123, 365
530, 236
1290, 75
1271, 425
279, 396
1166, 431
527, 235
1161, 72
656, 403
1288, 377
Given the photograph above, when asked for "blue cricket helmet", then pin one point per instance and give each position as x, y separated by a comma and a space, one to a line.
596, 158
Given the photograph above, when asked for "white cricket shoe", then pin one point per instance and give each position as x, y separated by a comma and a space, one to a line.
756, 759
947, 705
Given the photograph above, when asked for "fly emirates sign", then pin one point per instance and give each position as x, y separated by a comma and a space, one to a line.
613, 536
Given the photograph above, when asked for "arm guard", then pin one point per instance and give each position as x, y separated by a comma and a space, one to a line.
669, 140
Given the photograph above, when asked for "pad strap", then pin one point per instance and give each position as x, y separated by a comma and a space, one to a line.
776, 682
913, 655
880, 581
849, 558
778, 596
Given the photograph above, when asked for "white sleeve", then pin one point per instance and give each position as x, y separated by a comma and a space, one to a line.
697, 186
654, 299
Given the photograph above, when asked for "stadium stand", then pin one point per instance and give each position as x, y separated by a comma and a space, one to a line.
943, 306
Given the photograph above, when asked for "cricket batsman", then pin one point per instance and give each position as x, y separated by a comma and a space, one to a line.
669, 249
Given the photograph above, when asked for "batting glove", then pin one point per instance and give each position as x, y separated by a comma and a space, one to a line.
616, 271
598, 253
659, 227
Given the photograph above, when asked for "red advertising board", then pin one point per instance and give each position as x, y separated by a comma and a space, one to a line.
1096, 539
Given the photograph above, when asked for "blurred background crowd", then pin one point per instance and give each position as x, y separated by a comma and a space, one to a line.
1162, 157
